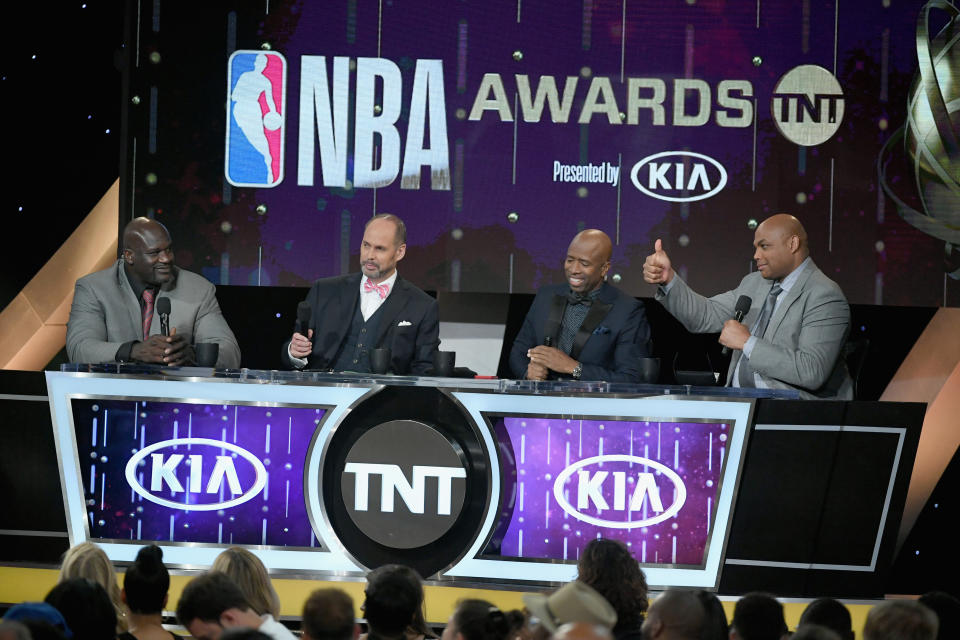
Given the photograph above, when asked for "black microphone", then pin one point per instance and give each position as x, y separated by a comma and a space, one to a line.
743, 305
548, 341
303, 317
163, 310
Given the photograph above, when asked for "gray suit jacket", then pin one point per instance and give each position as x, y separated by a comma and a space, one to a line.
106, 313
804, 341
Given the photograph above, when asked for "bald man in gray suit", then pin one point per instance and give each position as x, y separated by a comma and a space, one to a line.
797, 342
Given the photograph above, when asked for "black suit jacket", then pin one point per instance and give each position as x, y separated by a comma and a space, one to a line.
612, 340
409, 324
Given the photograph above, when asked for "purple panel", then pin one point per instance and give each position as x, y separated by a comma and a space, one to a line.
110, 432
543, 447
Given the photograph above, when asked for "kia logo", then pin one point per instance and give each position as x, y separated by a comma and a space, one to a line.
693, 176
205, 475
622, 489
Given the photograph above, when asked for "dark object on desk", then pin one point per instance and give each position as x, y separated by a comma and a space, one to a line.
695, 377
443, 362
207, 353
649, 370
380, 361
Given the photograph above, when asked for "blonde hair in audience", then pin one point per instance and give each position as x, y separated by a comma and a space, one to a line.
87, 560
249, 574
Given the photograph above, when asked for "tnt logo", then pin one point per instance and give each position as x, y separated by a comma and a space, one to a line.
634, 491
392, 481
807, 105
256, 90
207, 476
679, 176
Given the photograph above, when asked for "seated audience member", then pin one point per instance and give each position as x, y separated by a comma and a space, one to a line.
715, 624
405, 580
328, 615
582, 631
86, 607
87, 560
145, 587
353, 314
573, 602
114, 318
947, 609
391, 602
212, 602
676, 614
900, 620
829, 613
814, 632
758, 616
249, 573
480, 620
42, 620
595, 331
793, 335
608, 567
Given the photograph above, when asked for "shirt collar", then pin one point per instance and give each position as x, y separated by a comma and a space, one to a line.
389, 281
792, 277
136, 284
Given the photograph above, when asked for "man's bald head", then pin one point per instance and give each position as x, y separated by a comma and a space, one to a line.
588, 260
582, 631
147, 251
781, 246
676, 614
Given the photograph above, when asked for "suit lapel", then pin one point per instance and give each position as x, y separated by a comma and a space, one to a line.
555, 318
598, 311
348, 300
792, 296
130, 301
391, 307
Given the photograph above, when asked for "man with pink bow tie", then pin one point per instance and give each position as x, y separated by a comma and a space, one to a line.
353, 314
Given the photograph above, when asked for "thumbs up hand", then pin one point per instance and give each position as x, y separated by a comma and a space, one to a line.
656, 268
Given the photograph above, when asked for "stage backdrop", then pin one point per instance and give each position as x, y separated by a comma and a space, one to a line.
264, 134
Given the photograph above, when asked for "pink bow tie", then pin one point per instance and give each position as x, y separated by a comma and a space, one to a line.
382, 289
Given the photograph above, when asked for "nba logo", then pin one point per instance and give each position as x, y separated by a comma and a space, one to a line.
256, 90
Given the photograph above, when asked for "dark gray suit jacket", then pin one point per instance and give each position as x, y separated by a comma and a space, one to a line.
804, 341
106, 313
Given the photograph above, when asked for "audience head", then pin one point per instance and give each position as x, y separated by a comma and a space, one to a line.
209, 604
608, 567
582, 631
900, 620
574, 602
947, 609
829, 613
328, 615
676, 614
146, 583
758, 616
87, 560
715, 618
814, 632
11, 630
86, 607
394, 600
480, 620
249, 573
42, 620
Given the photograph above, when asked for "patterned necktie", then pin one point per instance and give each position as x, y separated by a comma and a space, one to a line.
147, 312
381, 289
746, 378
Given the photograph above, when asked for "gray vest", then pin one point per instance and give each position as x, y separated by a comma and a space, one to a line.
361, 338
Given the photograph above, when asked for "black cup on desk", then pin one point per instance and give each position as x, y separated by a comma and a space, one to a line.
380, 361
207, 353
649, 370
443, 362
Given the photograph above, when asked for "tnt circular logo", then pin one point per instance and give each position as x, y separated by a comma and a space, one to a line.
807, 105
403, 484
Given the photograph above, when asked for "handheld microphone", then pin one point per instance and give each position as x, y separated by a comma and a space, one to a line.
743, 305
548, 341
163, 310
303, 317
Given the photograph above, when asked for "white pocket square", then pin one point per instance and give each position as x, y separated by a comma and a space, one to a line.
404, 323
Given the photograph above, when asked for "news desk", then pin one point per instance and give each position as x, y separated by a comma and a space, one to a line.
478, 483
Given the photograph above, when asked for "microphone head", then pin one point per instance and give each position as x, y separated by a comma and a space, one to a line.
743, 305
163, 306
304, 312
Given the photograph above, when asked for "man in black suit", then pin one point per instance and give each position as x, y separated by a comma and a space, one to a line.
354, 314
585, 329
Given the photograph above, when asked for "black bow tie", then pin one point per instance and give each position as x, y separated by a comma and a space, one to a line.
576, 298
